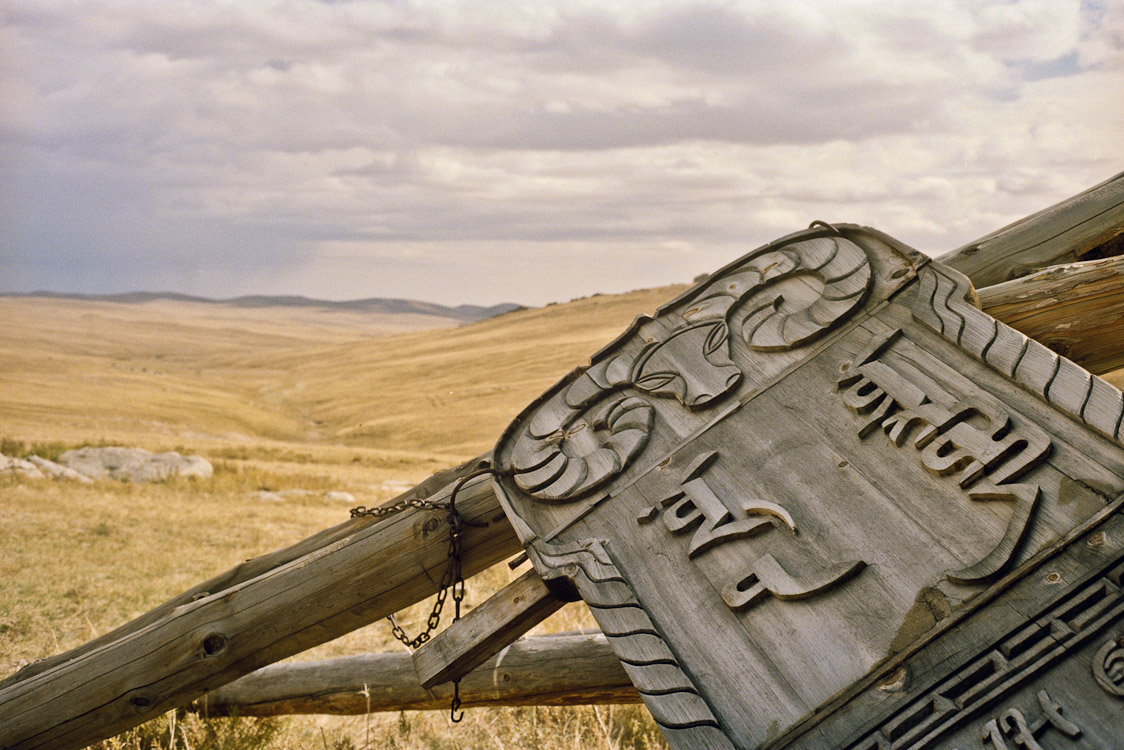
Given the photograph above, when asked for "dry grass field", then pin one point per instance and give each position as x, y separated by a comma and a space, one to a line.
277, 399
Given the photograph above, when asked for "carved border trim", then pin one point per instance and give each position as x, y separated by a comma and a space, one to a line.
668, 692
1024, 652
942, 304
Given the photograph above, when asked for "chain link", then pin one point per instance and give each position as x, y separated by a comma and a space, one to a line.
452, 580
398, 507
448, 578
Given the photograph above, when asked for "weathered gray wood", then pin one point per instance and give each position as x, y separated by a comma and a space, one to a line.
801, 468
553, 670
1087, 226
1076, 310
197, 646
246, 571
484, 631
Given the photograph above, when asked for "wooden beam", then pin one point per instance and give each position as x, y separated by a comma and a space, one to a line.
1087, 226
248, 570
483, 632
1076, 309
556, 670
197, 646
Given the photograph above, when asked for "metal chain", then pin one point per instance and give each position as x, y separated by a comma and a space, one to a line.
452, 580
447, 578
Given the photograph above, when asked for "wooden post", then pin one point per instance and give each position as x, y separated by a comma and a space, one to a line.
556, 670
1076, 309
247, 571
198, 646
1087, 226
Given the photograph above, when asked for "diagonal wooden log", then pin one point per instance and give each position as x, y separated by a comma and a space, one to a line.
1087, 226
247, 571
199, 645
555, 670
345, 577
1075, 309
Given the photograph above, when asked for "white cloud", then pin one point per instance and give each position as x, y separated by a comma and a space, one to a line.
223, 148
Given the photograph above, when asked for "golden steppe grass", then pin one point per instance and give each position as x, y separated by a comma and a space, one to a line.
277, 399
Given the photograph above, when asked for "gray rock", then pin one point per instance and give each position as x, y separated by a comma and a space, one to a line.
134, 464
343, 497
20, 468
55, 471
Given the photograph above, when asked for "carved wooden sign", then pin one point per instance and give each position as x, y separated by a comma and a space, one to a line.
796, 476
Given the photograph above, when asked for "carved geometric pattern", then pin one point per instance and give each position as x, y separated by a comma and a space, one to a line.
1016, 658
942, 305
668, 692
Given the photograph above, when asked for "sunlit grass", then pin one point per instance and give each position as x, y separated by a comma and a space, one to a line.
275, 404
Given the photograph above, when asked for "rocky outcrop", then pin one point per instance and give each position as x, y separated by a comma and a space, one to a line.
56, 471
134, 464
19, 467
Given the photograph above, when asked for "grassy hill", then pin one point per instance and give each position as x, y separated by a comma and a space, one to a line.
278, 398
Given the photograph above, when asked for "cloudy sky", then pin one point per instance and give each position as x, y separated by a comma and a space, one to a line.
526, 151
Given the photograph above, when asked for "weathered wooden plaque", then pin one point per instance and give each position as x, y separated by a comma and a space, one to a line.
821, 500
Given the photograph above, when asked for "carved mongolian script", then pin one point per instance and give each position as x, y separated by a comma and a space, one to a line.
1013, 725
694, 507
977, 443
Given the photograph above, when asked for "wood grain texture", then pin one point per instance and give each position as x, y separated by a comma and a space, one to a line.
244, 572
483, 632
555, 670
1086, 226
197, 646
1075, 309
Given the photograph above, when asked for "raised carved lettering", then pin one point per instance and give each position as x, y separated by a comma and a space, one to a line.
977, 443
1012, 725
768, 577
694, 503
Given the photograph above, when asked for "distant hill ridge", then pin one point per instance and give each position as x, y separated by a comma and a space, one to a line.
463, 313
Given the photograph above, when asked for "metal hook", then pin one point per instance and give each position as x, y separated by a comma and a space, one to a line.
456, 704
825, 225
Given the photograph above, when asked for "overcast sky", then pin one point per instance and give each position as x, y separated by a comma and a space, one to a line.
525, 151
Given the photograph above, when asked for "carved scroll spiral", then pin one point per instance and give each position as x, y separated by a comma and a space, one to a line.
578, 441
1108, 667
839, 264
